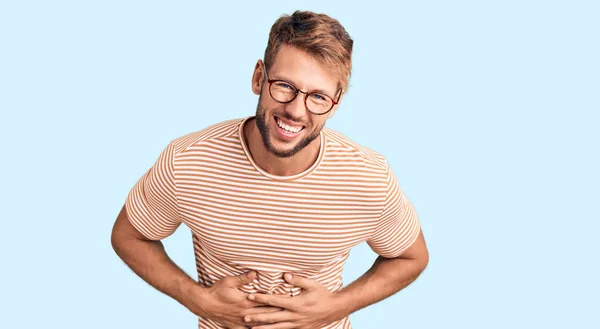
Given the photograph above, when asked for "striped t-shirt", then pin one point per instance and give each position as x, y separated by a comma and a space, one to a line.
243, 218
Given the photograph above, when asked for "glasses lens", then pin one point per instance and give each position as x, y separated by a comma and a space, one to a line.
282, 91
318, 103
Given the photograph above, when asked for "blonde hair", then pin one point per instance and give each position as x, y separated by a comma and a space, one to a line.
321, 36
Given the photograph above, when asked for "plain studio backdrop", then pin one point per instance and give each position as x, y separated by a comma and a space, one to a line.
486, 110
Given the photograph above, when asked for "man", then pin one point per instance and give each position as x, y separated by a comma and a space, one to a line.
275, 202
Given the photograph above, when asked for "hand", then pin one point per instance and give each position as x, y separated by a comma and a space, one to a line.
227, 305
314, 307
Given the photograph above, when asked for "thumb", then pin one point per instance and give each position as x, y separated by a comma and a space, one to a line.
243, 279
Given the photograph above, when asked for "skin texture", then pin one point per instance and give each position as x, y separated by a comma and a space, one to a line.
315, 305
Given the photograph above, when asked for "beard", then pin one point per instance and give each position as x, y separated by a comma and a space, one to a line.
261, 123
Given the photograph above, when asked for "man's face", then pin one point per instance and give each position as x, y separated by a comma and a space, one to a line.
288, 128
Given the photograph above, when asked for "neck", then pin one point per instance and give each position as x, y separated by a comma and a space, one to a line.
274, 165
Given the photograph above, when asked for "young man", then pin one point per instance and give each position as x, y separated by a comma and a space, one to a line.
275, 202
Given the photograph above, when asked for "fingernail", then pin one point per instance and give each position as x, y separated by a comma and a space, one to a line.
251, 297
247, 319
288, 276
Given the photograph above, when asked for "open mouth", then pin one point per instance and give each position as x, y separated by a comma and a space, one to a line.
286, 128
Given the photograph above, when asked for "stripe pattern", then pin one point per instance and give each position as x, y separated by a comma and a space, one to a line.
242, 218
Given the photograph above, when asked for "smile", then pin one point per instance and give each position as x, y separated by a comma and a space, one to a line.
288, 128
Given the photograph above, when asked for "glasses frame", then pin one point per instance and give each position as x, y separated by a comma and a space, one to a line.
306, 94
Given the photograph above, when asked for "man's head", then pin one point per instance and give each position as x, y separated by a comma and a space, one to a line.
306, 53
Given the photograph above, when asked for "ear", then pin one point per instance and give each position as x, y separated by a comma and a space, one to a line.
258, 77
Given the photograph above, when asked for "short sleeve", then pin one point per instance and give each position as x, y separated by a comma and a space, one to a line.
152, 202
398, 225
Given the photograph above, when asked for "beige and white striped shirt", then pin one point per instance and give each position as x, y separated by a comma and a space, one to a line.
243, 218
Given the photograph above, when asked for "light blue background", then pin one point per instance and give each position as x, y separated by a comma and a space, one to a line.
487, 111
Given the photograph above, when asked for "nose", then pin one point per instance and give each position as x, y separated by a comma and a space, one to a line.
297, 108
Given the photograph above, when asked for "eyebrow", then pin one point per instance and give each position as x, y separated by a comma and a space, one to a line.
320, 91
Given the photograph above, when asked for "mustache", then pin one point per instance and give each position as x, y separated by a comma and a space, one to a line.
289, 117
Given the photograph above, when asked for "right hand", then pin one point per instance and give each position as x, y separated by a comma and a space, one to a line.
225, 304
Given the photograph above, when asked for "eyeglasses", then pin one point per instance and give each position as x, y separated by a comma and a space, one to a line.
285, 92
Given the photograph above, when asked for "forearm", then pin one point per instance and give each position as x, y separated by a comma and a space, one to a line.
385, 278
150, 262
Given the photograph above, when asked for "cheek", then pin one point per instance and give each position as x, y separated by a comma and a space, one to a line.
269, 106
318, 123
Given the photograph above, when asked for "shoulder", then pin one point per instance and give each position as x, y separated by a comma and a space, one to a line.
342, 147
222, 129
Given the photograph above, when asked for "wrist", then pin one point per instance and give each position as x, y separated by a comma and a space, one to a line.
341, 306
193, 297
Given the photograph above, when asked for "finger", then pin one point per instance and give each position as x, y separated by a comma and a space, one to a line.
281, 325
249, 304
263, 309
298, 281
289, 303
275, 317
239, 280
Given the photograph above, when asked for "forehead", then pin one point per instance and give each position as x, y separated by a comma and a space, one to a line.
303, 70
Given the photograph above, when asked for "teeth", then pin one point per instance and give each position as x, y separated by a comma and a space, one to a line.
288, 128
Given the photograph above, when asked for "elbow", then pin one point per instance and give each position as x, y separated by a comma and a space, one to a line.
420, 261
423, 257
424, 261
115, 240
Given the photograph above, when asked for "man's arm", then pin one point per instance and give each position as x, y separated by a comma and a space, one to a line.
222, 302
386, 277
148, 259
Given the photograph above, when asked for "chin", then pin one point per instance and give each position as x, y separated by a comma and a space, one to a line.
279, 144
282, 153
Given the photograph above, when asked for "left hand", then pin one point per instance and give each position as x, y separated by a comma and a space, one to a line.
314, 307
